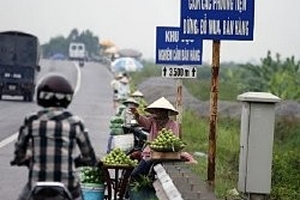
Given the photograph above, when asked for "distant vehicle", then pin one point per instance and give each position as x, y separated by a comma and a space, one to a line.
19, 63
77, 52
58, 56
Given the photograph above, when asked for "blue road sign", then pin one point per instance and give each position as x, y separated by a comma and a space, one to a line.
218, 19
173, 49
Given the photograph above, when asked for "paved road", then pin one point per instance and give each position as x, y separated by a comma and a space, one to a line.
92, 102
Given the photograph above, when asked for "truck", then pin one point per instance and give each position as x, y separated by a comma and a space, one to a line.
19, 64
77, 52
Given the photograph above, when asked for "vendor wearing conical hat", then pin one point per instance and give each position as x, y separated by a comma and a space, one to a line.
115, 84
123, 90
131, 102
139, 97
160, 111
137, 94
128, 116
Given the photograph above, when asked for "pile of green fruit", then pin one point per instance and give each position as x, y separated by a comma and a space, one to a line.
118, 158
91, 175
166, 141
116, 123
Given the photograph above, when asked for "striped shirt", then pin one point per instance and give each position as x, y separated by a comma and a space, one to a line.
51, 136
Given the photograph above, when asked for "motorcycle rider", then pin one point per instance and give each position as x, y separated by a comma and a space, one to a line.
48, 138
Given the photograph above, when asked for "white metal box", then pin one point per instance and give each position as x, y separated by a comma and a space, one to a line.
256, 142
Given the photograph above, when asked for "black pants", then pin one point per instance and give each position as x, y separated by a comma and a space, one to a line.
142, 169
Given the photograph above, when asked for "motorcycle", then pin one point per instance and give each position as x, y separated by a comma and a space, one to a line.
140, 139
48, 190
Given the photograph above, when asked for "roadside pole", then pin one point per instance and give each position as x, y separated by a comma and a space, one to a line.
213, 112
257, 197
216, 23
179, 104
183, 46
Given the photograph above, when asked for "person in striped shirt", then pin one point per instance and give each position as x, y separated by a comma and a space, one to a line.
48, 139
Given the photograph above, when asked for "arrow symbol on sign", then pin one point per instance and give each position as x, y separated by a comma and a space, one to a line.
193, 72
164, 71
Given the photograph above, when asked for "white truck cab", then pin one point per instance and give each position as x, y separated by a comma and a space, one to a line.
77, 52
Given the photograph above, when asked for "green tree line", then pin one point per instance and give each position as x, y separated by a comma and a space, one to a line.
60, 44
273, 74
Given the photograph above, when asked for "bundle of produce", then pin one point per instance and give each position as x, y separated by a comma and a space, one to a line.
116, 120
118, 158
116, 123
166, 141
142, 106
91, 175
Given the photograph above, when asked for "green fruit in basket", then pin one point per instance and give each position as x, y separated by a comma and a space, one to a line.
91, 175
167, 141
118, 157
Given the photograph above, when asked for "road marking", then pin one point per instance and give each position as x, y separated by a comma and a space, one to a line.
8, 140
78, 82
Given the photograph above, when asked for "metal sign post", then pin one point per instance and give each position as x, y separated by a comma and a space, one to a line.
216, 20
179, 104
213, 112
212, 20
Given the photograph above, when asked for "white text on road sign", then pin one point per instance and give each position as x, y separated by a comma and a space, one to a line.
179, 72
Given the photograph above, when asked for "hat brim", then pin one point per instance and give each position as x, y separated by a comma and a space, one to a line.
162, 103
124, 80
130, 102
137, 94
171, 112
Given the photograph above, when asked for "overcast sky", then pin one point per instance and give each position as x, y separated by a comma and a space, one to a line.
132, 24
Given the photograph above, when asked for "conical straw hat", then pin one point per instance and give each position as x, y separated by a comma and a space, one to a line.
118, 75
131, 100
124, 80
137, 93
162, 103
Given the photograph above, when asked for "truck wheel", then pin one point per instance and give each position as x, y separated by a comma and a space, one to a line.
0, 96
28, 97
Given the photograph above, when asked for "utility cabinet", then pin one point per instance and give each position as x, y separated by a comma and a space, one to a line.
256, 141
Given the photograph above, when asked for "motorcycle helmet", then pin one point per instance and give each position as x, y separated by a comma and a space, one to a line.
54, 91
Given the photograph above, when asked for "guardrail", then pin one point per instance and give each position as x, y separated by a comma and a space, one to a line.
176, 181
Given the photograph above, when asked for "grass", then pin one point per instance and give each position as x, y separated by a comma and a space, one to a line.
195, 133
195, 130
